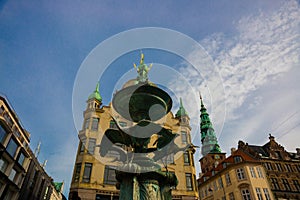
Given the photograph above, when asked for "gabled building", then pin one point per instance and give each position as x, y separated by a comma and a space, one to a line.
282, 167
238, 177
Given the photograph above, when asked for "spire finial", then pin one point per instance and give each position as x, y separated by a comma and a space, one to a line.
97, 87
202, 105
181, 105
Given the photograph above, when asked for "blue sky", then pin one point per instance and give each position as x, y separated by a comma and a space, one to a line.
254, 45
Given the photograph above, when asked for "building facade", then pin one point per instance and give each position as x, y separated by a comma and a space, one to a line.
238, 177
21, 175
94, 179
14, 156
282, 167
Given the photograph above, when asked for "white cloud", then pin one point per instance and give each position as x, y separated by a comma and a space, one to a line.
265, 47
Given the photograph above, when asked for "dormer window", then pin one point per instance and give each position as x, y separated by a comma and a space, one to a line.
237, 159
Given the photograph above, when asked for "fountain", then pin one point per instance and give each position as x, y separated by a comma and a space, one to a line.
139, 176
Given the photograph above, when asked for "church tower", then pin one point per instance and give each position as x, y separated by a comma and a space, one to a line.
210, 149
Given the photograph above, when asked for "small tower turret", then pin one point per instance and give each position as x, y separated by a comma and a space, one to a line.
182, 115
95, 99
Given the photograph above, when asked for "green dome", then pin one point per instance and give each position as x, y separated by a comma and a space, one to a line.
181, 112
96, 94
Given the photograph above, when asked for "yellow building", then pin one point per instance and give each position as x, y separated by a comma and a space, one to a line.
238, 177
282, 167
94, 177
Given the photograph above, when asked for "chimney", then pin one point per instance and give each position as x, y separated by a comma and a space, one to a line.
233, 150
298, 151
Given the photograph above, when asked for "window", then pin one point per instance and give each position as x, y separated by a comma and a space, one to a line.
87, 123
186, 158
268, 166
267, 195
237, 159
227, 178
259, 172
252, 172
8, 119
231, 196
21, 158
275, 184
258, 193
297, 185
92, 145
286, 184
183, 137
168, 159
2, 133
240, 174
215, 186
19, 178
112, 124
33, 181
77, 172
16, 132
298, 168
110, 175
220, 182
246, 194
82, 147
12, 147
278, 166
288, 167
87, 172
189, 182
95, 123
3, 164
12, 174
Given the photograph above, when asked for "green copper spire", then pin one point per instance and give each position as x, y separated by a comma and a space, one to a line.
96, 94
208, 137
181, 112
